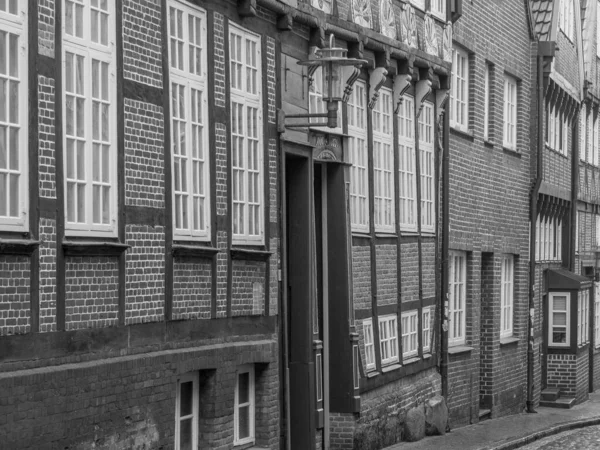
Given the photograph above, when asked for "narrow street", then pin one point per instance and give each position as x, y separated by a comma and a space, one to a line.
582, 438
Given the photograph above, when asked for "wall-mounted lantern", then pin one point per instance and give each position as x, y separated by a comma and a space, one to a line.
333, 60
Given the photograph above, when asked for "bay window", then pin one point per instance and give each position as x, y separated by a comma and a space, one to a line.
559, 317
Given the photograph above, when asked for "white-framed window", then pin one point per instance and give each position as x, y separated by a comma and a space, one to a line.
189, 114
486, 100
558, 323
14, 202
594, 146
186, 412
426, 324
507, 295
410, 333
244, 407
583, 310
459, 107
548, 239
567, 18
406, 165
388, 338
438, 7
598, 29
596, 314
510, 113
556, 130
591, 155
427, 168
457, 298
247, 173
597, 217
358, 154
577, 221
316, 105
89, 113
582, 133
369, 344
383, 163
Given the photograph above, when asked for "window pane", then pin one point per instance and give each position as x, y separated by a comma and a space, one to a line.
186, 398
244, 422
185, 434
560, 303
243, 387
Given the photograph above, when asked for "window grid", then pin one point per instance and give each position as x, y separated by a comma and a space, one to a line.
556, 130
507, 294
388, 339
548, 239
438, 7
426, 166
583, 308
357, 150
459, 112
457, 303
244, 407
559, 320
383, 163
597, 314
246, 132
510, 113
90, 122
427, 329
13, 118
369, 346
406, 165
186, 412
189, 111
410, 330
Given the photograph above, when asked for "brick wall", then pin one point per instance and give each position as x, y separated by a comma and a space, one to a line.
562, 373
387, 281
14, 295
409, 261
361, 277
192, 287
248, 289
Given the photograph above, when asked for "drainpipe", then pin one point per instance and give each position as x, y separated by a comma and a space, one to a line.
445, 246
544, 49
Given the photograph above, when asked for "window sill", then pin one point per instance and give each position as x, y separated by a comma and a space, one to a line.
361, 234
372, 373
512, 152
508, 341
462, 132
488, 143
249, 255
428, 233
94, 248
459, 350
427, 355
193, 250
411, 360
558, 152
18, 246
385, 234
390, 368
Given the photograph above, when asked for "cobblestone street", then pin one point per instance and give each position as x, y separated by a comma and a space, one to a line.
580, 439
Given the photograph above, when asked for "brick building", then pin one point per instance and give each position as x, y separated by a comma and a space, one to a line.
138, 249
489, 211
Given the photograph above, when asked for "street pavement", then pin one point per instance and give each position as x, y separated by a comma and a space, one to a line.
507, 433
579, 439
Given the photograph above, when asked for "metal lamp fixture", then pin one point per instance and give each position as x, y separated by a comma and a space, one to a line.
335, 89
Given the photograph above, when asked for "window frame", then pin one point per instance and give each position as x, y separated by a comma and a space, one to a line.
427, 331
383, 163
487, 92
90, 51
583, 321
567, 26
247, 100
567, 311
359, 199
407, 165
427, 161
189, 377
460, 89
438, 8
410, 333
199, 83
457, 282
596, 314
511, 105
507, 290
419, 4
388, 338
18, 25
369, 344
248, 368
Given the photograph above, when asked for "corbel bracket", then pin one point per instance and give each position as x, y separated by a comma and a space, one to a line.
285, 22
401, 85
246, 8
423, 89
351, 74
313, 53
441, 96
376, 80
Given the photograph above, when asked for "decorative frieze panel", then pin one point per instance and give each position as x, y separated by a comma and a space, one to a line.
430, 39
361, 13
408, 26
387, 19
447, 43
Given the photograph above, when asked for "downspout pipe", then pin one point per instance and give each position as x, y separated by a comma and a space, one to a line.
544, 49
445, 250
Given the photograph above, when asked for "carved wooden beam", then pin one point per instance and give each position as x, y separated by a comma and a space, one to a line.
423, 88
285, 22
246, 8
377, 79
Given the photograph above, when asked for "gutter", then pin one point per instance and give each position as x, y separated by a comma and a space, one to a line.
545, 50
